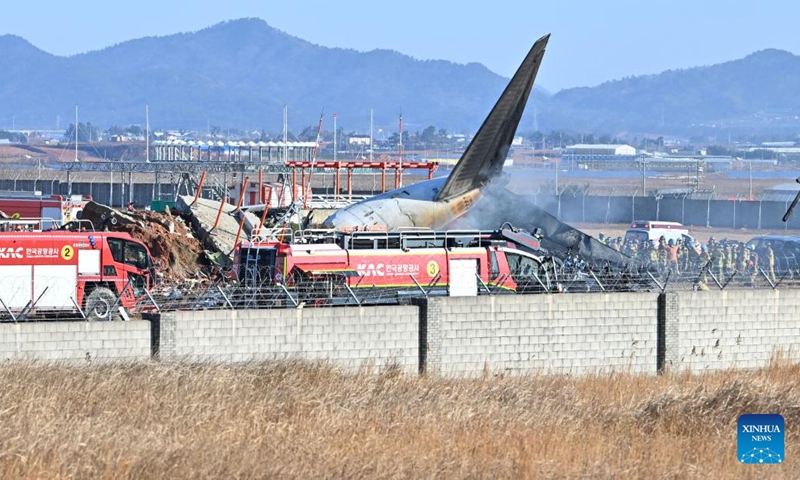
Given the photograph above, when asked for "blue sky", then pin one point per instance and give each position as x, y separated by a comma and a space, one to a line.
592, 41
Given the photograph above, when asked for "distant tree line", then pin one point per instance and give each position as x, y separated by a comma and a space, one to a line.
13, 137
756, 154
86, 133
131, 131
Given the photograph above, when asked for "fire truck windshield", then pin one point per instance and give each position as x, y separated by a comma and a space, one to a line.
136, 255
128, 252
528, 273
521, 265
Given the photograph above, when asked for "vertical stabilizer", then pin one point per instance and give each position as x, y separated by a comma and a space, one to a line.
485, 155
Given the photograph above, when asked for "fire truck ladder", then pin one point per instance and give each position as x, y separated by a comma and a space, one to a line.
252, 279
257, 288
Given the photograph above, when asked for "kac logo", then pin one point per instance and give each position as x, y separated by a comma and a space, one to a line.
371, 269
11, 252
761, 438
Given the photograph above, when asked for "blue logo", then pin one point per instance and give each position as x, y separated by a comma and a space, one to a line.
761, 438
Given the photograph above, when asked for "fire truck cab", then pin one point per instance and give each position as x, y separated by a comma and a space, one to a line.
55, 272
455, 263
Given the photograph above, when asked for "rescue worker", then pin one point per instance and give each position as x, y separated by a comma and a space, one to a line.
730, 260
632, 249
770, 260
703, 263
754, 263
644, 252
743, 259
653, 255
662, 253
718, 261
704, 258
687, 256
671, 252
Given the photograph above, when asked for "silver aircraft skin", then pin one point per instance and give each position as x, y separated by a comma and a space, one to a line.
438, 202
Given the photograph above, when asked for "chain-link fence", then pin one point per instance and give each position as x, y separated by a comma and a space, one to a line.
763, 212
570, 277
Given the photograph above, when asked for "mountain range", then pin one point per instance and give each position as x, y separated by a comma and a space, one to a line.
240, 74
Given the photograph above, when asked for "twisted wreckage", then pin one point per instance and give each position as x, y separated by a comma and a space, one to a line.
473, 195
537, 256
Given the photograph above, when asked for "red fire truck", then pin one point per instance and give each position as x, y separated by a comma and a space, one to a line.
53, 210
325, 265
55, 272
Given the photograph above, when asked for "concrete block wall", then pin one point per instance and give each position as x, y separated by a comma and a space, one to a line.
576, 333
731, 329
351, 337
75, 341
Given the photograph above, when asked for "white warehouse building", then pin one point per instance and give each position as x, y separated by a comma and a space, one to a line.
600, 149
585, 153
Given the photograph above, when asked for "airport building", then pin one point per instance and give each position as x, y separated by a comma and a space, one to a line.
586, 155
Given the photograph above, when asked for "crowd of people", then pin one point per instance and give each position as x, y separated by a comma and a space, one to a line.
686, 257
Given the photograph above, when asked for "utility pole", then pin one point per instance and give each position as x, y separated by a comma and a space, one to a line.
644, 177
371, 147
147, 133
400, 150
285, 133
335, 135
76, 133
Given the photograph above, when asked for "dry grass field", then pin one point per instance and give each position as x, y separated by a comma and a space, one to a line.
301, 420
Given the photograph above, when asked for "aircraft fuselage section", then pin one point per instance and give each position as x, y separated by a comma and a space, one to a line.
438, 202
413, 206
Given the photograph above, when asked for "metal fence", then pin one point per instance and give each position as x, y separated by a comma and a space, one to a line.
571, 277
712, 211
334, 291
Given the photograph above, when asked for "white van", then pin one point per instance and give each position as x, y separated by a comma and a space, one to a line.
641, 230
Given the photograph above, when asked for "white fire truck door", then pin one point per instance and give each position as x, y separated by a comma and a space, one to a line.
21, 284
16, 285
60, 282
56, 284
463, 282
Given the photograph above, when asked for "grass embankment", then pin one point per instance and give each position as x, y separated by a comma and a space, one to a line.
301, 420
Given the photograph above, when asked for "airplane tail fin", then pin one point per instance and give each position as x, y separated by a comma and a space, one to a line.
485, 155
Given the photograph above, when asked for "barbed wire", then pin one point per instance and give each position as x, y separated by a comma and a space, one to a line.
334, 290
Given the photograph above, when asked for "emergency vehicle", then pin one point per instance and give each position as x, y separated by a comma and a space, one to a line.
53, 210
324, 265
646, 230
55, 272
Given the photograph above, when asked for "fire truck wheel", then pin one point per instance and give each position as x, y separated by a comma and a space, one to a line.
98, 305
